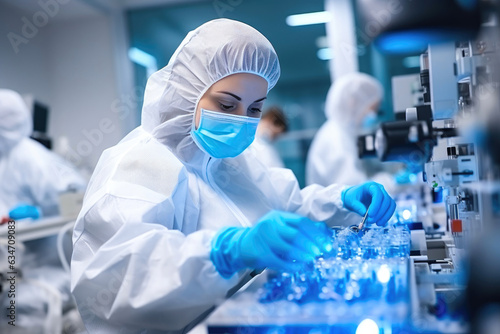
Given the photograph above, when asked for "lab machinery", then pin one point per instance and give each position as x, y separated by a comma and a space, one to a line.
450, 140
433, 269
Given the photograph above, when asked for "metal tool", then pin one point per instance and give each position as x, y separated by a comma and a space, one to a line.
358, 228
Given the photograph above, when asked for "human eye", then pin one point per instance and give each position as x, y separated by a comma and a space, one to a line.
255, 110
225, 107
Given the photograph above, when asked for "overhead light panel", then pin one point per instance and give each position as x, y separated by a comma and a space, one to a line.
308, 18
144, 59
325, 53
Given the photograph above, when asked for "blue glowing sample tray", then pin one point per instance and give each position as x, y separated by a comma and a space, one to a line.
365, 278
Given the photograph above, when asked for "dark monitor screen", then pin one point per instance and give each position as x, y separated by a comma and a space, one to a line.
40, 117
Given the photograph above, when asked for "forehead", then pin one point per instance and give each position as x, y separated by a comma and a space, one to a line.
242, 83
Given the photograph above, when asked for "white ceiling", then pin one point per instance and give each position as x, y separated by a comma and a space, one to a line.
74, 9
153, 3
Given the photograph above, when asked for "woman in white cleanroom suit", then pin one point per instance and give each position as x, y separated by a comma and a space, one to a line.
177, 215
352, 100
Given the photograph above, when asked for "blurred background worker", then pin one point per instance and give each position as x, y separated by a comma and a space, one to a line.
32, 176
351, 108
272, 125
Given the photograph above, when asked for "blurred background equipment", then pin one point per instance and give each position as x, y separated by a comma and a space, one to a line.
402, 27
447, 136
40, 114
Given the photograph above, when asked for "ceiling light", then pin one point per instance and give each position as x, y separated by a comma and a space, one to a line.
325, 53
144, 59
308, 18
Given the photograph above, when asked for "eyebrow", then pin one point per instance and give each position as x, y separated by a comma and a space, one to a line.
239, 98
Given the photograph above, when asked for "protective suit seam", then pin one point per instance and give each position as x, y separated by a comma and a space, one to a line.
152, 137
126, 152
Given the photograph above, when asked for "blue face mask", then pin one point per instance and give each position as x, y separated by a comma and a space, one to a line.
369, 122
222, 135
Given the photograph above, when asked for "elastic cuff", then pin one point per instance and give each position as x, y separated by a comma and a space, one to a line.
342, 194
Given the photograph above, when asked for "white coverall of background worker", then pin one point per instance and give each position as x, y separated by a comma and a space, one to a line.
30, 173
333, 154
144, 240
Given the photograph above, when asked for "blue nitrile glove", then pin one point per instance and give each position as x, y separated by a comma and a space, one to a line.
24, 211
370, 196
280, 240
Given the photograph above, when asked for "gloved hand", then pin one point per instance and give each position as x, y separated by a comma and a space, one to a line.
280, 240
370, 196
25, 211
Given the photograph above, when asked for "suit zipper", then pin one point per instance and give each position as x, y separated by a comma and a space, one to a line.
230, 204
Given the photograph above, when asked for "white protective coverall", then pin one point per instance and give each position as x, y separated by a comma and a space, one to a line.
141, 260
29, 173
333, 155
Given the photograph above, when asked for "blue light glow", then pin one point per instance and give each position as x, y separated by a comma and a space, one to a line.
384, 274
416, 41
367, 326
468, 4
413, 178
406, 214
